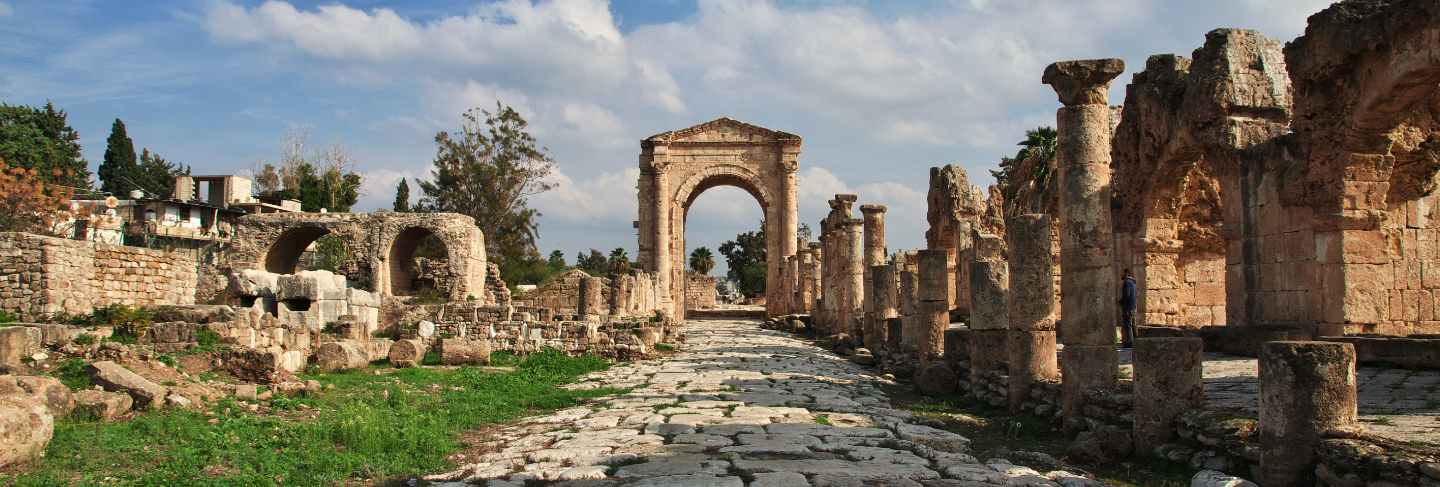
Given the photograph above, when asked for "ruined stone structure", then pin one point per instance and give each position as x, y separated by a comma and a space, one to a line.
677, 166
1087, 304
576, 293
954, 210
700, 292
48, 275
381, 248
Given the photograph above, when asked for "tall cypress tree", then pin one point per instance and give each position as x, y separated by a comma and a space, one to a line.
402, 197
120, 168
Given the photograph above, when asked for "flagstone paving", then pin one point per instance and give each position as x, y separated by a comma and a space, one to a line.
738, 406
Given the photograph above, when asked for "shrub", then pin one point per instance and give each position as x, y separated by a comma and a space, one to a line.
71, 372
6, 317
85, 339
129, 322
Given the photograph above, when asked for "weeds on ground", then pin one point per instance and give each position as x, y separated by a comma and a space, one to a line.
368, 427
993, 430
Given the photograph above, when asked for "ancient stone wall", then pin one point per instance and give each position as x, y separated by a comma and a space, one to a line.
700, 291
635, 294
380, 252
42, 275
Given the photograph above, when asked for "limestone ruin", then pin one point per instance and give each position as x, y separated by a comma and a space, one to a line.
1275, 202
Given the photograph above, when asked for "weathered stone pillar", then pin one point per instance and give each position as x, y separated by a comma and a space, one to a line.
884, 289
934, 290
1031, 303
853, 278
1087, 307
817, 281
1306, 389
785, 215
1167, 383
909, 285
620, 290
661, 182
591, 297
874, 255
989, 311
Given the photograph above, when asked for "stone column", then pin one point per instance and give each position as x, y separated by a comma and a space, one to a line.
909, 285
1306, 389
934, 307
989, 311
590, 297
661, 237
853, 277
964, 253
874, 255
817, 278
786, 224
1167, 383
884, 289
1031, 302
1087, 284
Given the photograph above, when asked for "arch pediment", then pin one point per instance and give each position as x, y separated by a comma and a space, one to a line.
724, 130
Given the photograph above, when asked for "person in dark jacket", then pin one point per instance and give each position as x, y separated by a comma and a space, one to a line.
1127, 309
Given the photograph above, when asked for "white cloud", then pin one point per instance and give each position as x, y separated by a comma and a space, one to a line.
608, 197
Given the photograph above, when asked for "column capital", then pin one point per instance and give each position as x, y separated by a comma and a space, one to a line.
868, 209
1083, 82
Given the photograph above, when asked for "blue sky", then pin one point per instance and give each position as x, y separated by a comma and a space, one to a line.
880, 90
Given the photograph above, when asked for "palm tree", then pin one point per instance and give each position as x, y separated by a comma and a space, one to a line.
702, 261
619, 261
1029, 176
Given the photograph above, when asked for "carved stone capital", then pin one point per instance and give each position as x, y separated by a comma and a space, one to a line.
1083, 82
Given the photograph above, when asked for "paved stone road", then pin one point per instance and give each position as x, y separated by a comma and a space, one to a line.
739, 406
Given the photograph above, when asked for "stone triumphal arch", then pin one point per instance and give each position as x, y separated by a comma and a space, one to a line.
677, 166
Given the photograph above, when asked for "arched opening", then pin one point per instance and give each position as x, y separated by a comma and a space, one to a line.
285, 255
1184, 263
420, 265
727, 225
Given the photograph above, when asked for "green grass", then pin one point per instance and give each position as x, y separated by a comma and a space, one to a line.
822, 419
368, 427
72, 373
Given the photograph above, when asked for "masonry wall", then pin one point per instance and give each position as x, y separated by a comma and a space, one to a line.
700, 291
42, 275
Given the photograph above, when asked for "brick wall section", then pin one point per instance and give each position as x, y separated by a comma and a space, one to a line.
699, 291
42, 275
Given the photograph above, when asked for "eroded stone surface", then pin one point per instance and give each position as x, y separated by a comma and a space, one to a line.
738, 406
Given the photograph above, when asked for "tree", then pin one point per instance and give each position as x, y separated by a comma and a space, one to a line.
593, 263
619, 262
1027, 180
27, 202
745, 257
488, 170
41, 139
156, 175
267, 179
318, 179
120, 162
557, 260
702, 261
804, 232
402, 197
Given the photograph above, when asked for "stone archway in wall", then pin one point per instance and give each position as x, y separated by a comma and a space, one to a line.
381, 248
677, 166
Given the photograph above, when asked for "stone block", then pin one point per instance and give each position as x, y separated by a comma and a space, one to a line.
1030, 357
103, 405
986, 351
26, 427
1085, 368
116, 378
1306, 389
1168, 382
341, 355
308, 284
407, 353
48, 390
464, 351
1088, 310
989, 288
18, 343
